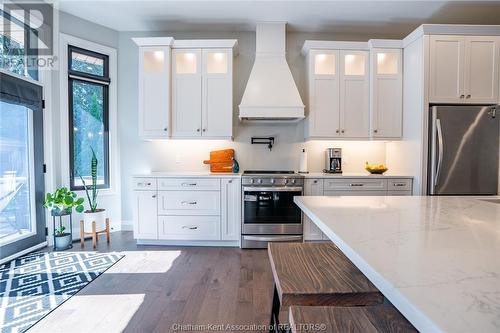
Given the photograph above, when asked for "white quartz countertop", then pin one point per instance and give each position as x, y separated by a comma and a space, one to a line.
236, 175
187, 174
437, 259
351, 175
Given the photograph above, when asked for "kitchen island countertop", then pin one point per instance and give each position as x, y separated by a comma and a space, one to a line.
435, 258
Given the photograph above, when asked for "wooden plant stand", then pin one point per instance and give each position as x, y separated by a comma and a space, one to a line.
94, 233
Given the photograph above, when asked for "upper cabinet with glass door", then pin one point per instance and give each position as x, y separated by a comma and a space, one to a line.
464, 69
338, 90
386, 93
185, 88
202, 89
154, 87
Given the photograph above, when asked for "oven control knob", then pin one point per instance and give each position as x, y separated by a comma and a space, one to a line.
260, 181
293, 181
272, 181
251, 181
286, 181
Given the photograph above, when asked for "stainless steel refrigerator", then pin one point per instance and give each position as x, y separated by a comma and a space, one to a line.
464, 148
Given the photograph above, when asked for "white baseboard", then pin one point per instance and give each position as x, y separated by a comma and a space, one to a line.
127, 225
17, 255
216, 243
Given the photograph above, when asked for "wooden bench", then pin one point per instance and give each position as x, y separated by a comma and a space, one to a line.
365, 319
315, 274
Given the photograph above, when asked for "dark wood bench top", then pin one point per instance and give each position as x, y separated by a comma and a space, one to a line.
365, 319
318, 274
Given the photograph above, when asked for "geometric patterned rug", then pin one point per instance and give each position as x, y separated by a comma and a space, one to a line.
37, 283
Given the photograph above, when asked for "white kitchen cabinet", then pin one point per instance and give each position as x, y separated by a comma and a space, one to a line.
202, 93
354, 94
186, 92
324, 117
145, 212
154, 92
311, 231
230, 209
338, 94
386, 93
217, 93
463, 69
482, 59
184, 210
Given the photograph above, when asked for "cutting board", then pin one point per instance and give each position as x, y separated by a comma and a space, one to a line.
221, 160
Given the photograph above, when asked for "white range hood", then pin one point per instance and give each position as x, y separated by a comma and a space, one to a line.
271, 93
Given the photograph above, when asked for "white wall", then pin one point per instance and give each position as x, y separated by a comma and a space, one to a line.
72, 25
139, 156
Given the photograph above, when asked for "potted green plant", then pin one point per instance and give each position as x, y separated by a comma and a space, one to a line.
61, 203
93, 214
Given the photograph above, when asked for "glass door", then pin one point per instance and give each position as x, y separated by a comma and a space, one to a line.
22, 221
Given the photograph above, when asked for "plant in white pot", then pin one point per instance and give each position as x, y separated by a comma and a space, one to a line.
93, 214
61, 203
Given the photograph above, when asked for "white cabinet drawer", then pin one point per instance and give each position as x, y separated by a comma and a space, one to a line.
399, 184
144, 183
189, 184
356, 193
355, 184
189, 203
189, 227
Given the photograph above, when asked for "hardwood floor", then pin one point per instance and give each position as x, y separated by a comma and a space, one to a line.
157, 288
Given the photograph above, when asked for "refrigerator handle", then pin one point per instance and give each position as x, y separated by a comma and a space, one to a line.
440, 151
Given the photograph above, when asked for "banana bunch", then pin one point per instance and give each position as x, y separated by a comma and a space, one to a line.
375, 168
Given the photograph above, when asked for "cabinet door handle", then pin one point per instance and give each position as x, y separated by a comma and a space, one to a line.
204, 130
399, 184
197, 130
342, 131
189, 184
153, 196
462, 96
189, 227
230, 181
468, 96
165, 129
188, 202
375, 131
315, 181
356, 184
336, 131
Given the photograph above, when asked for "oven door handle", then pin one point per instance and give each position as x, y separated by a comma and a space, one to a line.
273, 238
272, 189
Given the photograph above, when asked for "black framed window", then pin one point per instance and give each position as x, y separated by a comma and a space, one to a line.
88, 101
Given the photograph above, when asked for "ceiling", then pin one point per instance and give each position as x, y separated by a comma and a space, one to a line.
385, 18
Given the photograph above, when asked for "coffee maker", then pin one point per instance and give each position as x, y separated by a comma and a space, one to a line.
333, 159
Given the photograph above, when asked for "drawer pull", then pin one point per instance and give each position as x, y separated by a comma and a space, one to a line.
189, 227
188, 202
149, 184
399, 184
356, 184
189, 184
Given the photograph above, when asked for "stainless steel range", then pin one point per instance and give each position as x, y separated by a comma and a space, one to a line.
269, 213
